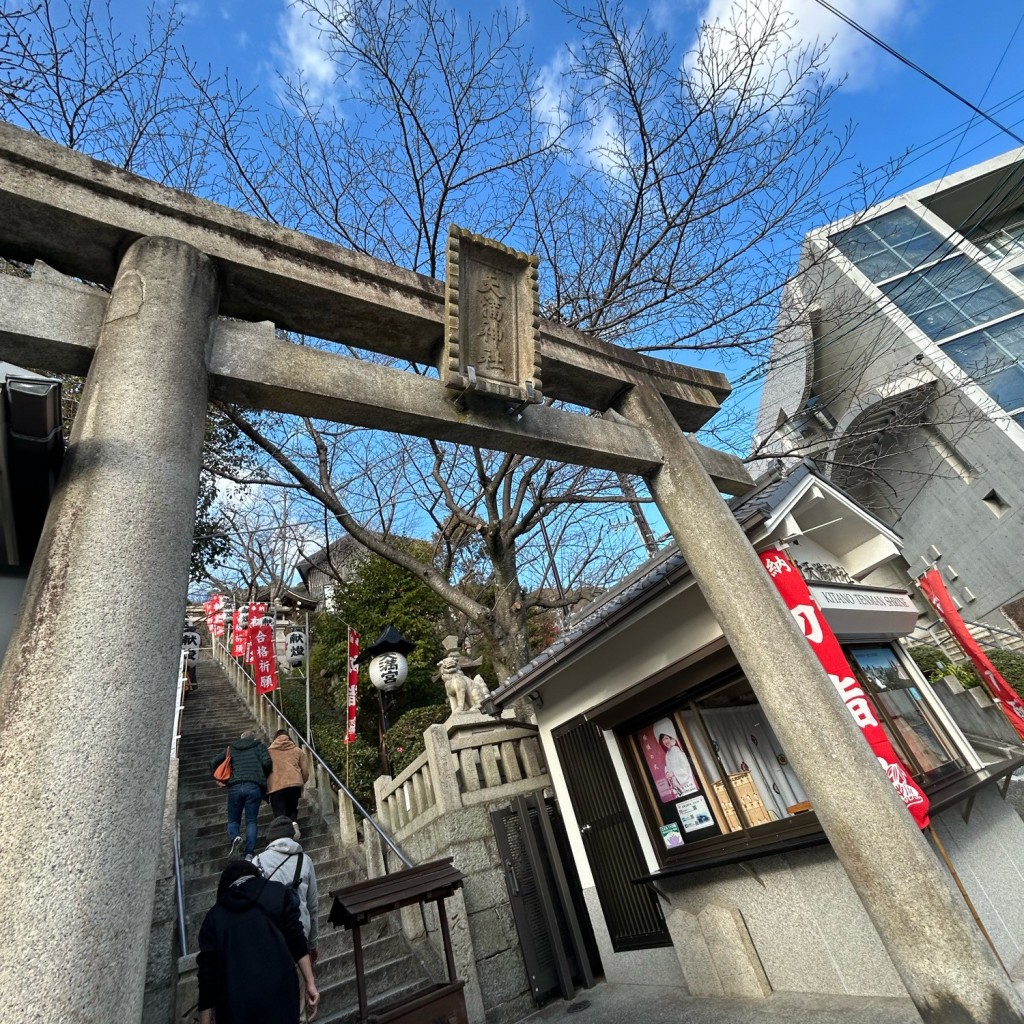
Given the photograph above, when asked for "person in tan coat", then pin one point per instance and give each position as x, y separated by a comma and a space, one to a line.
291, 770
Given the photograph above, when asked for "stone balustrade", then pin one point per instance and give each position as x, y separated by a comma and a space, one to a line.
471, 759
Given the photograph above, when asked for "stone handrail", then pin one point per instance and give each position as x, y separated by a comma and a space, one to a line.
469, 760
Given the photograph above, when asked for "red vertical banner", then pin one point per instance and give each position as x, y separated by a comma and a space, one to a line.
257, 609
215, 616
353, 684
794, 591
933, 586
264, 664
238, 632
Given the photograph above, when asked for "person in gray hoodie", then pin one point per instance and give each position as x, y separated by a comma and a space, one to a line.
284, 861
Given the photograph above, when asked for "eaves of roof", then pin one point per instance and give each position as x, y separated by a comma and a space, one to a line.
646, 583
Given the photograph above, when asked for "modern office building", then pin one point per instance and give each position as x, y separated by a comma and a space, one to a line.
898, 367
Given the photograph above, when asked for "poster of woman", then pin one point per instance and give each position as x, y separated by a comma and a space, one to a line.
667, 761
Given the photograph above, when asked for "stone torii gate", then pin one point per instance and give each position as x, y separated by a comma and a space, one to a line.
85, 719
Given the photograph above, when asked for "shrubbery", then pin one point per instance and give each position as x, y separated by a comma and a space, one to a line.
405, 737
934, 663
1010, 666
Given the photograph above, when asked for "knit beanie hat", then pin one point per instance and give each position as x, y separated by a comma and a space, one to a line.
282, 827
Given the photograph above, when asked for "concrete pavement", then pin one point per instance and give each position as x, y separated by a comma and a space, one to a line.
654, 1004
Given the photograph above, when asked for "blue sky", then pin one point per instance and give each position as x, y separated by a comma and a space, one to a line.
975, 49
966, 45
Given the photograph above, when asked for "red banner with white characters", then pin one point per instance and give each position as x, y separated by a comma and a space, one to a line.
794, 591
214, 609
353, 684
933, 586
257, 610
264, 663
239, 631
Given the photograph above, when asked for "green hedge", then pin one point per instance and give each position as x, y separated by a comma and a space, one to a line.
1011, 667
935, 663
405, 737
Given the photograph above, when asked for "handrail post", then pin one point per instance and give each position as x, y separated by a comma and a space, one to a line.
446, 780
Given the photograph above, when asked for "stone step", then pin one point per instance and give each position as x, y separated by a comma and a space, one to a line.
316, 837
216, 824
385, 981
214, 716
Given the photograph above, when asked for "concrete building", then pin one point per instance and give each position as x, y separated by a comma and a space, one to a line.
898, 366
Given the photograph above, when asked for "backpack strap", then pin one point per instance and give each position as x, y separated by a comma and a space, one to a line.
296, 878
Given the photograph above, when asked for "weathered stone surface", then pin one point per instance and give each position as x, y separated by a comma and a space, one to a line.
490, 933
695, 957
78, 214
119, 524
502, 977
739, 970
485, 890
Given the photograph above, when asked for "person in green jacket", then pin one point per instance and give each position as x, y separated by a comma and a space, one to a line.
250, 766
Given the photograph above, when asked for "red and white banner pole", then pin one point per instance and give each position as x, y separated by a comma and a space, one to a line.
353, 684
793, 588
933, 586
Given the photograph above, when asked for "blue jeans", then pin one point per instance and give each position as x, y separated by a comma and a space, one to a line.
247, 796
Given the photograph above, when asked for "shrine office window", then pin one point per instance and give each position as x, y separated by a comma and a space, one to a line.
909, 722
710, 772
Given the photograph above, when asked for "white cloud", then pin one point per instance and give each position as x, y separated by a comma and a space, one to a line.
850, 53
550, 101
303, 48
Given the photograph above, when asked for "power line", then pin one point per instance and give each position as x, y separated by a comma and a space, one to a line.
917, 67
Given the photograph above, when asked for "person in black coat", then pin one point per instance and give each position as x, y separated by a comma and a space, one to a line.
249, 944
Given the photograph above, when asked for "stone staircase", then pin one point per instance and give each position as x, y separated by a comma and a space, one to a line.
214, 715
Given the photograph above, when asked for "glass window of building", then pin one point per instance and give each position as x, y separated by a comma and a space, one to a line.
950, 297
891, 245
910, 724
994, 357
947, 294
1001, 237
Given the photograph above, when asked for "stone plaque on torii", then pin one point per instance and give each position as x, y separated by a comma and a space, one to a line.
114, 555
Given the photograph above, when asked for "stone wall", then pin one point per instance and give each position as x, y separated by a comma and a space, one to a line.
162, 954
440, 807
794, 923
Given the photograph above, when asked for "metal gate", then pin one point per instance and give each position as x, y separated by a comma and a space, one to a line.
631, 912
544, 893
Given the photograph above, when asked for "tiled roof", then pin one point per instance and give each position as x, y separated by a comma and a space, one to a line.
650, 579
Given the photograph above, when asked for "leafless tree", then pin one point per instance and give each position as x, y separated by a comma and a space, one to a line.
666, 193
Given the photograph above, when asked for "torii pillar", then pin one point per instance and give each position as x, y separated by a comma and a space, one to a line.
949, 971
99, 637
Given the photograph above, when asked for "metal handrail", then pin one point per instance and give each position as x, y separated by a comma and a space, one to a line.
179, 889
179, 706
939, 625
323, 764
